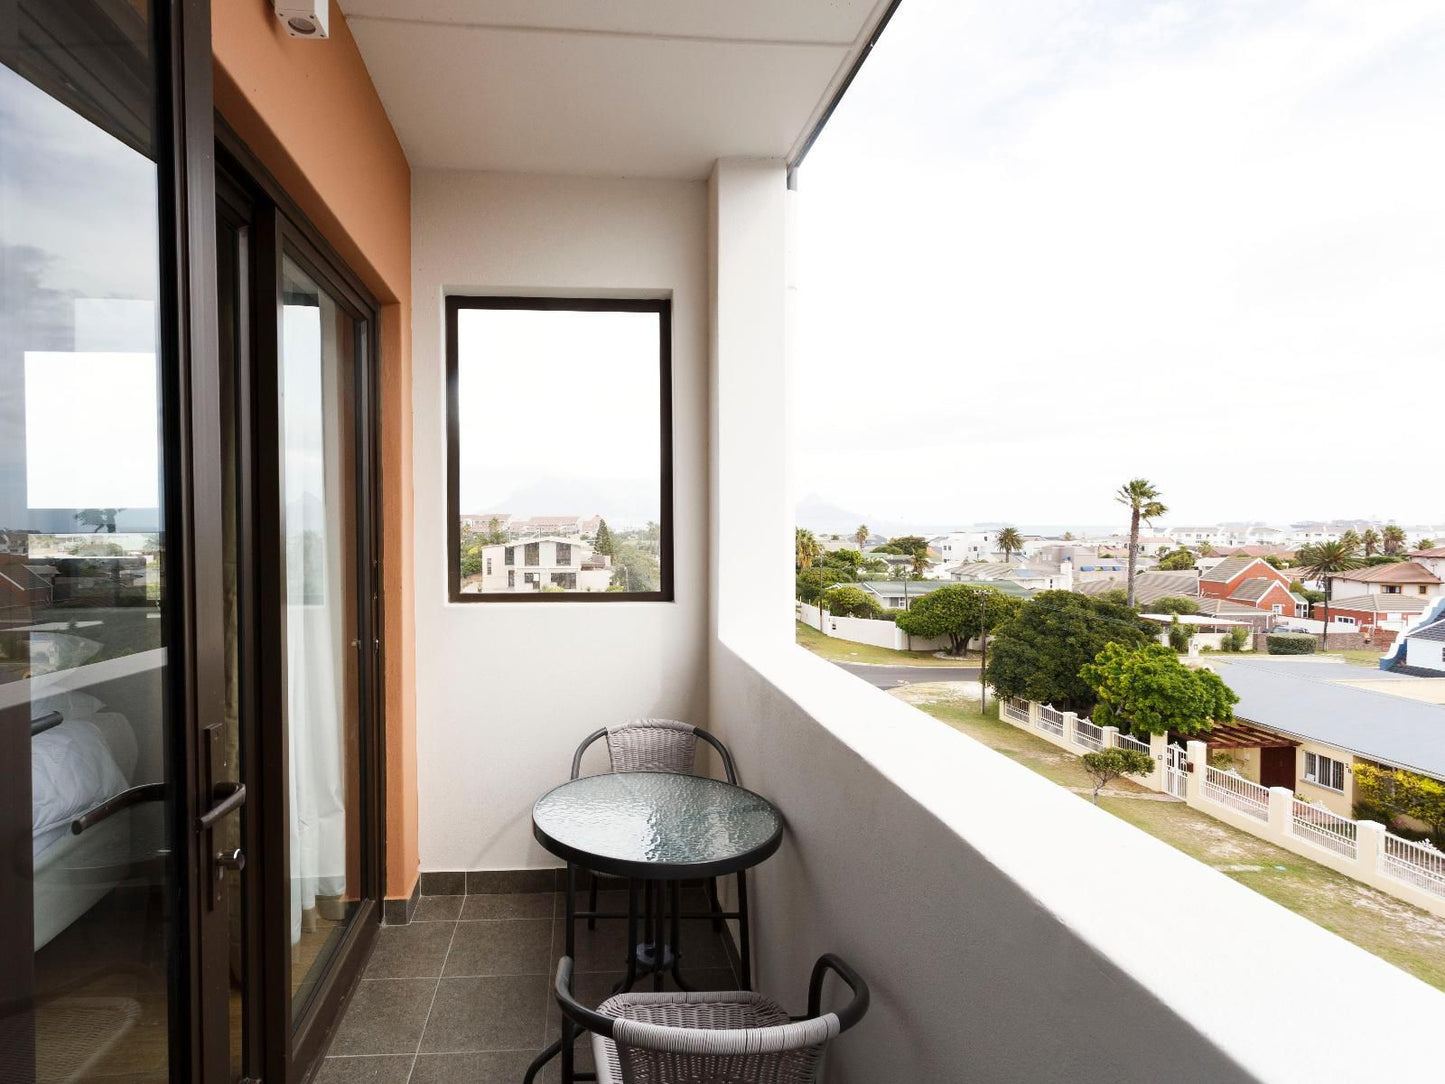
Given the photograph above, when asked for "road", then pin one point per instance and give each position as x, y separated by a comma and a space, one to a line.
890, 677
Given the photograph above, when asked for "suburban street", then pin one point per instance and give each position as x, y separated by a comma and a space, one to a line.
890, 677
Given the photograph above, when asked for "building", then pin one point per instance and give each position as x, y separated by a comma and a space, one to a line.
956, 547
1253, 582
1029, 577
1391, 613
1401, 578
1149, 586
536, 564
1432, 560
1425, 649
897, 595
489, 521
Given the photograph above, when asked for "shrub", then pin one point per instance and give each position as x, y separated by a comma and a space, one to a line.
1290, 643
848, 601
1236, 639
1179, 637
1110, 764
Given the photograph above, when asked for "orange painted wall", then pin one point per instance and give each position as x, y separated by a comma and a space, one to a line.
308, 110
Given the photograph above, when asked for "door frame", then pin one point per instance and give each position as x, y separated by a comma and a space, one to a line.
279, 227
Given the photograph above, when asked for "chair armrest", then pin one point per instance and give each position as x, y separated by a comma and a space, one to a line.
729, 768
851, 1013
577, 756
573, 1009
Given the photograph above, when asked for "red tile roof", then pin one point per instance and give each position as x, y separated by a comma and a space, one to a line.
1400, 572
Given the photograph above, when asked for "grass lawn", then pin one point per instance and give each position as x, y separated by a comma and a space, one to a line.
835, 650
1406, 936
1358, 657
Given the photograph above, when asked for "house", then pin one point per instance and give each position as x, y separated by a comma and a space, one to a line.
536, 564
536, 526
1432, 560
1386, 612
957, 547
897, 595
1149, 587
1253, 582
489, 521
1029, 577
1401, 578
1425, 649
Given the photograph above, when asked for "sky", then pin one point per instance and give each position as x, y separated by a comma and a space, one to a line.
1047, 247
558, 414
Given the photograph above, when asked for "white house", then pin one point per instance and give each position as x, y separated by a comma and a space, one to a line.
539, 563
959, 546
1425, 648
1402, 578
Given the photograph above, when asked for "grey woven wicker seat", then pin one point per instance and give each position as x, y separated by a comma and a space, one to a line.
731, 1037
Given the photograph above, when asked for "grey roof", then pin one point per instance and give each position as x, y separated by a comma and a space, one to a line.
1434, 631
1382, 604
1003, 587
894, 588
1148, 586
1229, 568
1253, 590
1303, 700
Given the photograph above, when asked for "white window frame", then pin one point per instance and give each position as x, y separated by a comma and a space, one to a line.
1322, 771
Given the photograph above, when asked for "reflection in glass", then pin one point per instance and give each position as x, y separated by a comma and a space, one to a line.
82, 697
559, 482
318, 492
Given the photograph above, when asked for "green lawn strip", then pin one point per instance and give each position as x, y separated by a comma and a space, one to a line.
836, 650
1409, 938
1357, 657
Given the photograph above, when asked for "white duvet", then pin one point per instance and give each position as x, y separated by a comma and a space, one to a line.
77, 765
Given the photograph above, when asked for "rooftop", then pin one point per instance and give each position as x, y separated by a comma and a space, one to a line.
1402, 572
1383, 604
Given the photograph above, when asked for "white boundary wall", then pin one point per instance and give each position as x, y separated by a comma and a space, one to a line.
866, 630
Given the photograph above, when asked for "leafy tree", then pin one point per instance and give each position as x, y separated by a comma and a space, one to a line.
1370, 541
1038, 653
635, 568
1141, 497
1327, 560
1068, 536
904, 545
861, 535
1180, 560
1425, 544
603, 544
1351, 538
495, 536
919, 564
806, 546
1009, 542
1179, 636
848, 601
1206, 548
849, 559
958, 611
1393, 538
1305, 593
1174, 604
812, 582
1149, 691
1398, 793
1275, 561
1236, 639
1110, 764
101, 519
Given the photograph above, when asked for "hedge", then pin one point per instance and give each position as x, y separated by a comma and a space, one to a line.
1286, 643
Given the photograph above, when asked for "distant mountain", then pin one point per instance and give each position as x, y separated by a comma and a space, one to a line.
822, 517
624, 503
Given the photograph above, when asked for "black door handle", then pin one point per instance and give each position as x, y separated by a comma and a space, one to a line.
234, 798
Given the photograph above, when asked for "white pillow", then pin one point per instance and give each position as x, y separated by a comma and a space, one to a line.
72, 705
71, 771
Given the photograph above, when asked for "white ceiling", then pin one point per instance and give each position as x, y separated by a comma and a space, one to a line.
612, 87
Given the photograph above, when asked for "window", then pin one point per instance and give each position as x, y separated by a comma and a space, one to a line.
587, 469
1324, 772
1277, 608
1392, 589
511, 577
1345, 621
1424, 590
565, 580
510, 557
489, 566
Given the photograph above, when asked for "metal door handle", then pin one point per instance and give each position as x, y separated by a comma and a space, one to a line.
234, 798
235, 859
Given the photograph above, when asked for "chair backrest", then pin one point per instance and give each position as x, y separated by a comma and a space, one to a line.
652, 745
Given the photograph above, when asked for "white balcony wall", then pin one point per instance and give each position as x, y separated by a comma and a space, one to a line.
1010, 931
506, 690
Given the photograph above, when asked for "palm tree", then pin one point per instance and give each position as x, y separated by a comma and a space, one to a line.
1351, 537
1326, 560
1010, 542
1371, 541
920, 563
1425, 544
1394, 538
1142, 500
1206, 548
806, 548
861, 535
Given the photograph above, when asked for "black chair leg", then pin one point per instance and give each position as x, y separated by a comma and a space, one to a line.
592, 901
714, 904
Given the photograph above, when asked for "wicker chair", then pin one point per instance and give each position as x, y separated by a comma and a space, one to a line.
654, 745
732, 1037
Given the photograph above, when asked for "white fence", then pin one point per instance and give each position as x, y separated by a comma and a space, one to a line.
1232, 789
879, 632
1363, 850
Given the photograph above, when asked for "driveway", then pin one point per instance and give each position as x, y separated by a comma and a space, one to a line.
890, 677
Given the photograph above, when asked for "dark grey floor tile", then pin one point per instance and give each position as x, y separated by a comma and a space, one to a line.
443, 884
373, 1069
509, 905
494, 1067
512, 880
386, 1016
438, 909
487, 1013
410, 952
511, 946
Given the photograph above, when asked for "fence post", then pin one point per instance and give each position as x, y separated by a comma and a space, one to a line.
1158, 749
1369, 844
1198, 754
1281, 801
1034, 714
1110, 732
1071, 721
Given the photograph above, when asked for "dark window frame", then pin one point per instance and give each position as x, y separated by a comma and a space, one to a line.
662, 307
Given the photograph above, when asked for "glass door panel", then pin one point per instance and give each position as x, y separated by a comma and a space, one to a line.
319, 344
87, 877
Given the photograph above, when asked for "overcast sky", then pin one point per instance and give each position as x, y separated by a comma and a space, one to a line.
1049, 246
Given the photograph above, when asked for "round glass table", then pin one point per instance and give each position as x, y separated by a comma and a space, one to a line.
656, 829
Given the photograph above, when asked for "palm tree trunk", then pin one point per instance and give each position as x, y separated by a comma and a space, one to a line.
1133, 552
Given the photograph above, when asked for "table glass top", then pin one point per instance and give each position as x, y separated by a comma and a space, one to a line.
657, 817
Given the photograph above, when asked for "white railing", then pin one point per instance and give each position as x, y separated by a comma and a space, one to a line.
1418, 864
1318, 825
1051, 719
1176, 772
1228, 788
1016, 709
1088, 735
1123, 741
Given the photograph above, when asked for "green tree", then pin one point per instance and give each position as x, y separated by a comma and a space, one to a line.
1393, 538
860, 535
1038, 653
1305, 593
1370, 541
1425, 544
848, 601
812, 582
1206, 548
1149, 691
1068, 536
1174, 604
1275, 561
1009, 542
1395, 792
1141, 497
1351, 538
101, 519
1180, 560
849, 559
958, 611
919, 564
904, 545
635, 569
1327, 560
1108, 765
1179, 636
807, 550
603, 544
